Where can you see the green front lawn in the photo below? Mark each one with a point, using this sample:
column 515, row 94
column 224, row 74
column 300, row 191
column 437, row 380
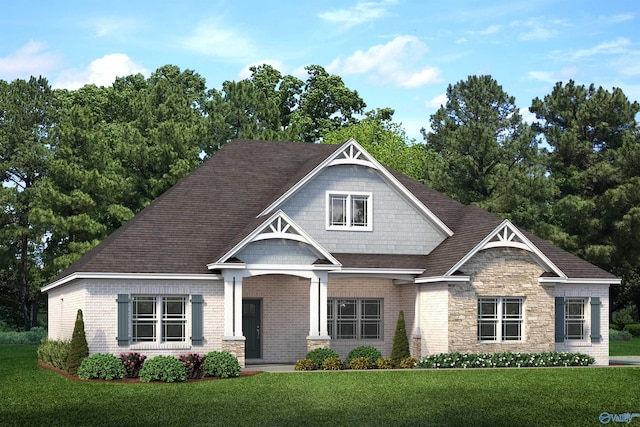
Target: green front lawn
column 30, row 395
column 625, row 348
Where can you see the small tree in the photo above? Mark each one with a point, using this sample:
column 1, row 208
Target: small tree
column 400, row 349
column 79, row 347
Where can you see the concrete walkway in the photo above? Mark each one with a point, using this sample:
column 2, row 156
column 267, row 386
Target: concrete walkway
column 624, row 360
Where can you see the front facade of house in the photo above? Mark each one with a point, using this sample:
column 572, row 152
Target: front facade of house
column 270, row 249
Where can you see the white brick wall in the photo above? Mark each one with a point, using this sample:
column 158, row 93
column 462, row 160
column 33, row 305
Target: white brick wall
column 600, row 351
column 97, row 299
column 434, row 318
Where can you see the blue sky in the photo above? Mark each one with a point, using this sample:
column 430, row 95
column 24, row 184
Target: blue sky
column 396, row 53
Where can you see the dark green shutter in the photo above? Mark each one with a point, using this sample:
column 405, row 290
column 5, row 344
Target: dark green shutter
column 595, row 319
column 123, row 319
column 197, row 337
column 559, row 319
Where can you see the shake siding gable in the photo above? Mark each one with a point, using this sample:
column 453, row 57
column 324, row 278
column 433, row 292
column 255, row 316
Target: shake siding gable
column 397, row 227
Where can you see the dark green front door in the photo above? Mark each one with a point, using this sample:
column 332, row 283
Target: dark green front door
column 251, row 328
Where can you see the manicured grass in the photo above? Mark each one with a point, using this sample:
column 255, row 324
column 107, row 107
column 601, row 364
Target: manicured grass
column 30, row 395
column 625, row 348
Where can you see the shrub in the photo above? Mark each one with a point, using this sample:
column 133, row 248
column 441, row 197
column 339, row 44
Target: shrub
column 221, row 364
column 54, row 352
column 132, row 363
column 615, row 335
column 500, row 360
column 624, row 316
column 400, row 348
column 385, row 363
column 33, row 336
column 319, row 355
column 332, row 364
column 408, row 362
column 79, row 347
column 361, row 363
column 194, row 365
column 305, row 365
column 101, row 366
column 163, row 368
column 633, row 329
column 371, row 353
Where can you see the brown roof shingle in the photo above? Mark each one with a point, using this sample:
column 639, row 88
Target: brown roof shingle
column 207, row 213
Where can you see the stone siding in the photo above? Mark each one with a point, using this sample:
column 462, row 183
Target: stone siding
column 502, row 272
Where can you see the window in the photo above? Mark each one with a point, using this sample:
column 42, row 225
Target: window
column 159, row 319
column 350, row 211
column 574, row 319
column 358, row 319
column 500, row 319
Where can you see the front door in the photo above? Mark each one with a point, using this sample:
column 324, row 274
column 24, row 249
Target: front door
column 251, row 328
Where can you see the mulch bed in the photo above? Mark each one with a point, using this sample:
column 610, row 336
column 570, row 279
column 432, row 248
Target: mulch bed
column 132, row 380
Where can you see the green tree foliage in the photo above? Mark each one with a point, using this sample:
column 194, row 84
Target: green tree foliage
column 79, row 348
column 485, row 153
column 594, row 149
column 400, row 348
column 27, row 115
column 386, row 141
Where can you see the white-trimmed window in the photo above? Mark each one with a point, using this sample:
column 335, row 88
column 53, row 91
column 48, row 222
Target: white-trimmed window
column 500, row 319
column 574, row 318
column 355, row 319
column 159, row 318
column 350, row 211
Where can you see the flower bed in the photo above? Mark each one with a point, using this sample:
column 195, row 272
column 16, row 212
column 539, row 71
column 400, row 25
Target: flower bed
column 504, row 360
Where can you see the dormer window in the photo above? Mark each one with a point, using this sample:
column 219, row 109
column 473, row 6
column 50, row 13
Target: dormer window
column 349, row 211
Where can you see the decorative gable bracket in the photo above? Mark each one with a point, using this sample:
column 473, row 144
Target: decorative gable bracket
column 506, row 235
column 278, row 226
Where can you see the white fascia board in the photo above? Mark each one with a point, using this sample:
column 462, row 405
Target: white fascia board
column 574, row 281
column 540, row 257
column 368, row 161
column 407, row 275
column 129, row 276
column 255, row 235
column 440, row 279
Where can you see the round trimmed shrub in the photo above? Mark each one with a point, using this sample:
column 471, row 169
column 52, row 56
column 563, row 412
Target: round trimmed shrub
column 221, row 364
column 305, row 365
column 332, row 364
column 615, row 335
column 408, row 362
column 385, row 363
column 319, row 355
column 367, row 351
column 101, row 366
column 163, row 368
column 361, row 363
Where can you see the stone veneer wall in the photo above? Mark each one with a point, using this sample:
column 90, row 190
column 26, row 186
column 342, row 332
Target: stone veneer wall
column 501, row 272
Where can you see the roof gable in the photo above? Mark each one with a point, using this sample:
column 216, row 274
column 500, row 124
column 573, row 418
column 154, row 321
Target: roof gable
column 277, row 226
column 352, row 153
column 507, row 235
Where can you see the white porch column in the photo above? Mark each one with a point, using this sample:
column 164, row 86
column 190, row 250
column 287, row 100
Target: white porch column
column 318, row 306
column 323, row 307
column 228, row 305
column 314, row 303
column 238, row 307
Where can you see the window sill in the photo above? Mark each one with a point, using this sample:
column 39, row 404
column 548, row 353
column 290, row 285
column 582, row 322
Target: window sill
column 161, row 346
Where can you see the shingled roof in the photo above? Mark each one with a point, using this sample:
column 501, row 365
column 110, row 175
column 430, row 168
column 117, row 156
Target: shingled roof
column 204, row 215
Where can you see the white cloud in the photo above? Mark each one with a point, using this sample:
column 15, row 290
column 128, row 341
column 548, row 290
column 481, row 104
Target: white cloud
column 437, row 102
column 614, row 47
column 616, row 19
column 554, row 76
column 245, row 73
column 527, row 116
column 214, row 39
column 31, row 59
column 492, row 29
column 538, row 28
column 393, row 62
column 358, row 14
column 115, row 26
column 101, row 72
